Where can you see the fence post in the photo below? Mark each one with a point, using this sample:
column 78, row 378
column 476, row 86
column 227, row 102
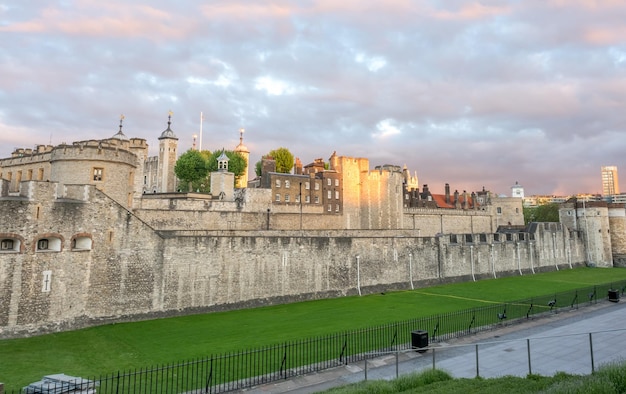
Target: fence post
column 477, row 373
column 397, row 359
column 1, row 388
column 433, row 358
column 591, row 351
column 530, row 370
column 365, row 368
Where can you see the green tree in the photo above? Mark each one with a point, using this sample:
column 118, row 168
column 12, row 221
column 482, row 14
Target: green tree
column 236, row 162
column 542, row 213
column 191, row 167
column 284, row 160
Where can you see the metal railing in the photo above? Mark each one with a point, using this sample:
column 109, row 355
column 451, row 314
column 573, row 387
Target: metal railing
column 518, row 357
column 248, row 368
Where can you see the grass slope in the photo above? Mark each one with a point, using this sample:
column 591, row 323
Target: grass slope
column 109, row 348
column 609, row 378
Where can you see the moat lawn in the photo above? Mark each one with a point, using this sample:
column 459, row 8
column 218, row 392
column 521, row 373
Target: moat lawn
column 106, row 349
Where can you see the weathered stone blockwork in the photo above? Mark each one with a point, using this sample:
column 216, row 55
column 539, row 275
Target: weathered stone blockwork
column 133, row 271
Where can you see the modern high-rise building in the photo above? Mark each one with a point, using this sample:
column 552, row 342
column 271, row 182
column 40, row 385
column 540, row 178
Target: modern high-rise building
column 610, row 183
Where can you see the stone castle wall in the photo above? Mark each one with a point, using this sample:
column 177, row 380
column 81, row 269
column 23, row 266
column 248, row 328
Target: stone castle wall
column 132, row 271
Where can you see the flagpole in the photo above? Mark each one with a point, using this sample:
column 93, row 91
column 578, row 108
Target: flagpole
column 200, row 140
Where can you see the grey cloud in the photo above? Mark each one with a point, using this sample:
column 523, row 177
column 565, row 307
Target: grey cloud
column 482, row 94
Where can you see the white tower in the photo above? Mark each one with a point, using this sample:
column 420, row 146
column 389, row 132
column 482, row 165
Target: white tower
column 242, row 181
column 168, row 145
column 517, row 190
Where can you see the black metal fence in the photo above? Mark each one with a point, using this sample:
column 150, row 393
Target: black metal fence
column 239, row 370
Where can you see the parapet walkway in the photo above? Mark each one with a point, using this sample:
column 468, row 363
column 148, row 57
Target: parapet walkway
column 556, row 342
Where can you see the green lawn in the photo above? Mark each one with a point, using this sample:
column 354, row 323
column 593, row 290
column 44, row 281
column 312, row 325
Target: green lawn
column 609, row 378
column 106, row 349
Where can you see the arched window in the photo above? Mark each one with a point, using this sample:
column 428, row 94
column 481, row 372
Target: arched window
column 49, row 244
column 9, row 245
column 81, row 243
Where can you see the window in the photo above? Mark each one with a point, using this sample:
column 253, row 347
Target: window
column 278, row 197
column 287, row 184
column 329, row 182
column 317, row 199
column 286, row 197
column 29, row 175
column 297, row 198
column 97, row 174
column 336, row 182
column 317, row 186
column 307, row 185
column 499, row 210
column 336, row 194
column 337, row 208
column 330, row 207
column 42, row 244
column 307, row 199
column 81, row 243
column 330, row 194
column 6, row 244
column 277, row 182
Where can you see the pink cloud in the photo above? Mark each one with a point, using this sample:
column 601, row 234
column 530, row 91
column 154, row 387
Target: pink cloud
column 106, row 20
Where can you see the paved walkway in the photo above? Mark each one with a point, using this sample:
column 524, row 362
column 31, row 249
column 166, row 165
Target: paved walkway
column 557, row 342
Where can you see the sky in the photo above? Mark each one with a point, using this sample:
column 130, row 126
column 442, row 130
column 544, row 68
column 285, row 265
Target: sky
column 471, row 93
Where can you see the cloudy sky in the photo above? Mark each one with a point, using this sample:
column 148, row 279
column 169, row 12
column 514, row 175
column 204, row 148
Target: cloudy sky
column 470, row 93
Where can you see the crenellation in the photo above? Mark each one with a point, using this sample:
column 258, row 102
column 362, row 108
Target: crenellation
column 95, row 232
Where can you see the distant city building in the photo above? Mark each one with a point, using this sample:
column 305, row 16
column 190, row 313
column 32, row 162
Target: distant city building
column 517, row 190
column 535, row 201
column 610, row 183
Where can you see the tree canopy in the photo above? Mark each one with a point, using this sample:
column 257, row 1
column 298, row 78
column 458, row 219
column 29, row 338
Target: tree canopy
column 284, row 161
column 542, row 213
column 190, row 168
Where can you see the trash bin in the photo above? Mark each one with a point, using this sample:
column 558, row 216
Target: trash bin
column 419, row 340
column 614, row 295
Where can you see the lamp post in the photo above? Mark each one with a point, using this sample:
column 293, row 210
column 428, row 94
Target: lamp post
column 411, row 270
column 358, row 273
column 589, row 262
column 300, row 198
